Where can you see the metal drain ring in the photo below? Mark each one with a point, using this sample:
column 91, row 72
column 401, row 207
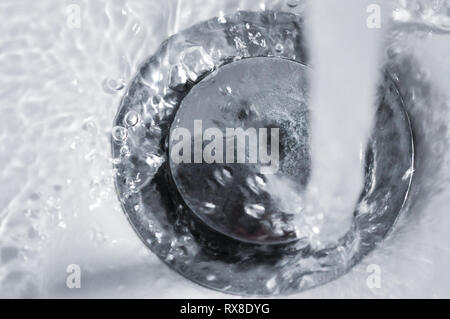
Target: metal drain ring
column 157, row 212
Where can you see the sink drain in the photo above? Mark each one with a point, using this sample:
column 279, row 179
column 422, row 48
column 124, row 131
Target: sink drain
column 239, row 199
column 223, row 225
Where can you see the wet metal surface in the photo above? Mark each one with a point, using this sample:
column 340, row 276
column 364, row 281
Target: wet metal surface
column 162, row 202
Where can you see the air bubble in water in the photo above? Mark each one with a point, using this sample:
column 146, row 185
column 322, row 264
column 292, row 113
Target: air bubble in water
column 90, row 127
column 279, row 48
column 112, row 86
column 132, row 118
column 119, row 134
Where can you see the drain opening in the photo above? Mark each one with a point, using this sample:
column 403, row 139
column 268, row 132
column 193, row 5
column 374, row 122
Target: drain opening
column 223, row 226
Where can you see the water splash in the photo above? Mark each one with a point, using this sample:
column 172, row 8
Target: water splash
column 434, row 15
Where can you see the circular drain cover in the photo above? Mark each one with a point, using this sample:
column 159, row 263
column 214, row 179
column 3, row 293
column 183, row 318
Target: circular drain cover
column 239, row 194
column 226, row 225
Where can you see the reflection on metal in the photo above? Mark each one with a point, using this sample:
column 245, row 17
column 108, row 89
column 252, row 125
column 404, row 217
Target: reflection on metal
column 218, row 225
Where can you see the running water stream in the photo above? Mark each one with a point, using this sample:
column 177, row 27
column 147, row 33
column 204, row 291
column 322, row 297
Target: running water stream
column 345, row 61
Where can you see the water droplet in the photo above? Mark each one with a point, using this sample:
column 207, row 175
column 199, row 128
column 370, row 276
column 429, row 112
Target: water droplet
column 119, row 134
column 132, row 118
column 211, row 277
